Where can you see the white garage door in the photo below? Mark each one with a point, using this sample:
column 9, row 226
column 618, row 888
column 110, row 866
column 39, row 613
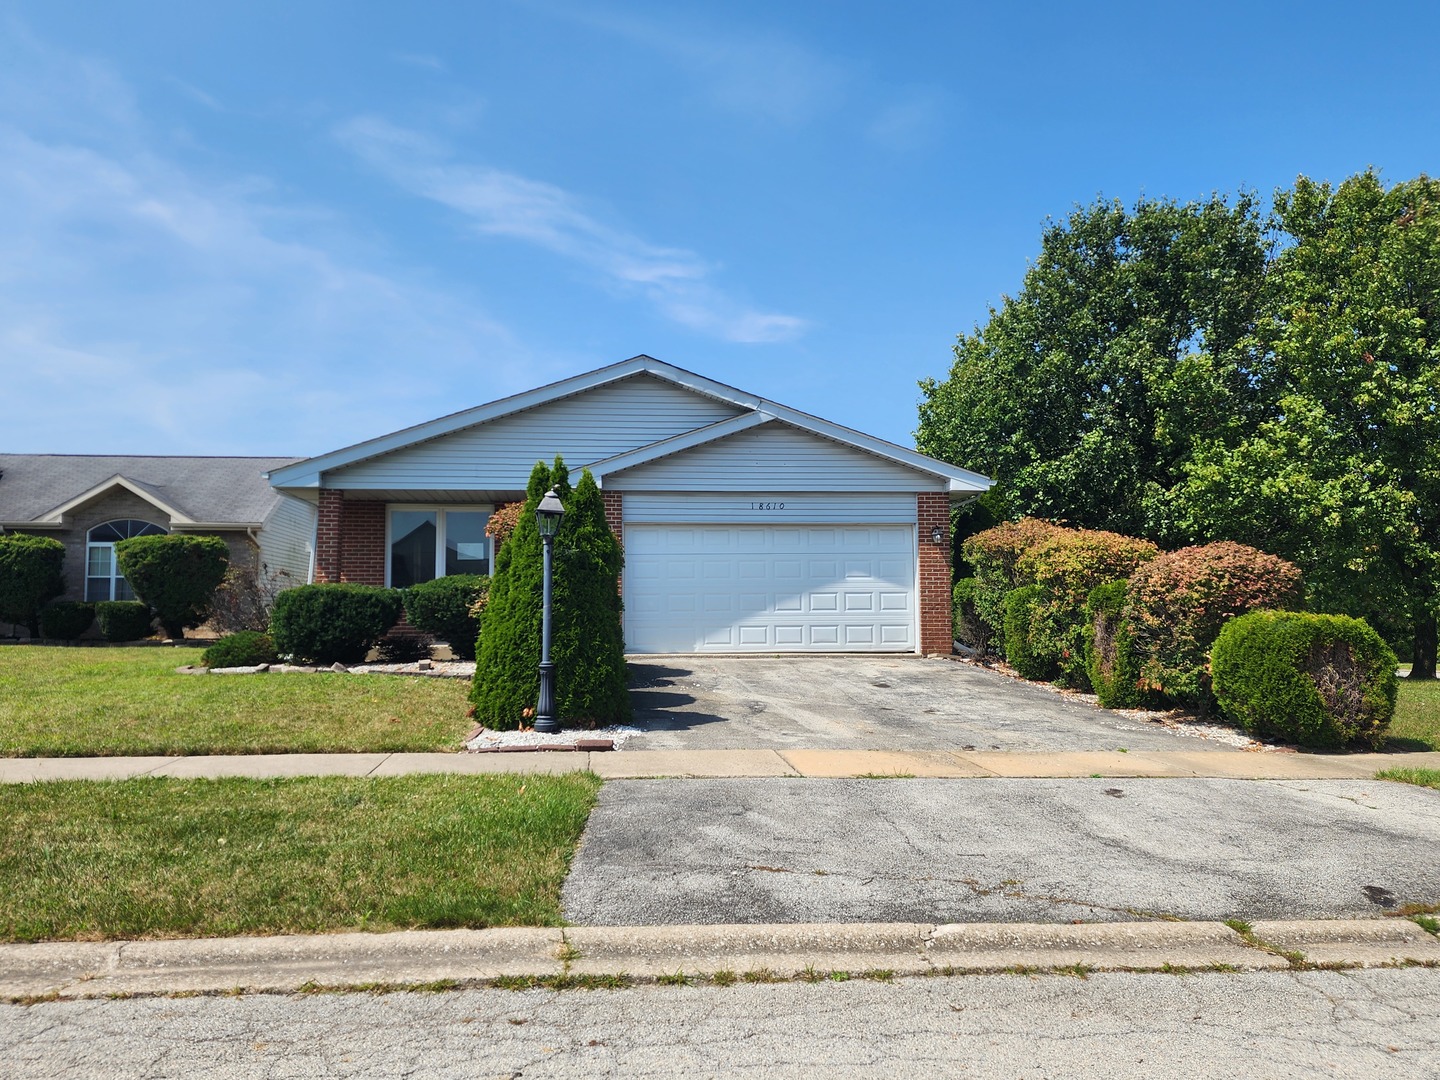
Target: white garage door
column 769, row 588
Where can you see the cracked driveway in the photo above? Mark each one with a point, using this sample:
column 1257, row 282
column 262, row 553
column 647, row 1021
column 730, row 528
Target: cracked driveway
column 867, row 702
column 1002, row 850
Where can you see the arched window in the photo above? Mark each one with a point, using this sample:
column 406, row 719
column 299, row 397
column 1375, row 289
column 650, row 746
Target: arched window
column 103, row 580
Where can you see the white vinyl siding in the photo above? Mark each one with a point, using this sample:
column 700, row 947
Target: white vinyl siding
column 774, row 457
column 768, row 588
column 771, row 507
column 498, row 456
column 286, row 539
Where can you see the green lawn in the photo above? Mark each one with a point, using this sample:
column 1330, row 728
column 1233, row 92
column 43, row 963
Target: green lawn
column 1417, row 717
column 163, row 857
column 67, row 702
column 1419, row 777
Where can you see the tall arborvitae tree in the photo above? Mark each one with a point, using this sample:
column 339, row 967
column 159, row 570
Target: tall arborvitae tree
column 589, row 643
column 586, row 640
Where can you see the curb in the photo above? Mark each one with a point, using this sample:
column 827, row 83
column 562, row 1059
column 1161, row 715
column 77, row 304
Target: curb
column 617, row 955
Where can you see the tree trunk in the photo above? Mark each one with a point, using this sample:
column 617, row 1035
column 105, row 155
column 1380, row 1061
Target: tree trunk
column 1423, row 662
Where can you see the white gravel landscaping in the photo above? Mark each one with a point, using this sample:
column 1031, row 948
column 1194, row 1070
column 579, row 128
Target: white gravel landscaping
column 487, row 740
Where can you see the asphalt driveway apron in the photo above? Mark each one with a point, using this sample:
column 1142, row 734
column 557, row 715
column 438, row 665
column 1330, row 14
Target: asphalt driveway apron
column 1002, row 850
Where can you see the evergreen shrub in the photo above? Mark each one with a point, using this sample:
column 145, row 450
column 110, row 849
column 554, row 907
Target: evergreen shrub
column 176, row 574
column 1109, row 652
column 30, row 577
column 123, row 620
column 995, row 555
column 1177, row 603
column 970, row 628
column 1025, row 651
column 587, row 647
column 1322, row 681
column 442, row 608
column 66, row 620
column 332, row 623
column 245, row 648
column 1067, row 566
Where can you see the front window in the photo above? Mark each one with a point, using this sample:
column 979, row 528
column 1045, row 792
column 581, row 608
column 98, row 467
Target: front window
column 430, row 542
column 103, row 580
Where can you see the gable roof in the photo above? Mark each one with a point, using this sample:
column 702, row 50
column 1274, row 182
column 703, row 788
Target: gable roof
column 39, row 490
column 308, row 473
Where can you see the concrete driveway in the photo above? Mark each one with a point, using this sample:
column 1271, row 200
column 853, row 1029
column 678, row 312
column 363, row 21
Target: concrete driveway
column 1002, row 850
column 867, row 702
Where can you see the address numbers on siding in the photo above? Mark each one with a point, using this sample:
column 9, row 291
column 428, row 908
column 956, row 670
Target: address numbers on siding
column 767, row 506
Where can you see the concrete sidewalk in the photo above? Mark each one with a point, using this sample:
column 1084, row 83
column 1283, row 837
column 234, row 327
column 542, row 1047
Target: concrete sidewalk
column 455, row 958
column 644, row 764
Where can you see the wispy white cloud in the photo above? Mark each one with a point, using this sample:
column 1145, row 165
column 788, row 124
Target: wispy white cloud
column 747, row 71
column 500, row 203
column 428, row 61
column 145, row 305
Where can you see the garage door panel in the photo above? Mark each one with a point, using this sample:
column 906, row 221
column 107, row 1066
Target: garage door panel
column 759, row 587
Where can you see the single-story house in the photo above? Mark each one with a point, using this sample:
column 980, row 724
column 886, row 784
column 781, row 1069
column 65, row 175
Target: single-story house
column 747, row 526
column 89, row 502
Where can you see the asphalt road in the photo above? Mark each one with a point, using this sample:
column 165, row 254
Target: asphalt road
column 1353, row 1025
column 1001, row 850
column 867, row 702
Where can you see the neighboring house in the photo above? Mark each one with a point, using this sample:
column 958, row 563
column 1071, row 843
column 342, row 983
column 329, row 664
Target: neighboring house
column 89, row 502
column 747, row 526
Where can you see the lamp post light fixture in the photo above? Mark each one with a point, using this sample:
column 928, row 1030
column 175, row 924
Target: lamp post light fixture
column 547, row 517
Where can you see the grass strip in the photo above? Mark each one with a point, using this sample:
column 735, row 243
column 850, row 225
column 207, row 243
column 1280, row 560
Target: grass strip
column 74, row 702
column 1417, row 717
column 163, row 857
column 1420, row 777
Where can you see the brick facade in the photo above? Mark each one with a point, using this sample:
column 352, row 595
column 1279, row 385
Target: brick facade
column 933, row 508
column 613, row 515
column 350, row 540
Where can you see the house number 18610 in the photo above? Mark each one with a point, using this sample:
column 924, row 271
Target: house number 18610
column 767, row 506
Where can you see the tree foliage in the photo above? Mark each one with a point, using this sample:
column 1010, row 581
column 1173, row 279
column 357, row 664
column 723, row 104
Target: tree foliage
column 1200, row 371
column 587, row 643
column 30, row 577
column 1081, row 395
column 175, row 574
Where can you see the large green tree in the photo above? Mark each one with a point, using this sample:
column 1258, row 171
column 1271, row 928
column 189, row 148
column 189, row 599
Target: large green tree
column 1193, row 372
column 1342, row 471
column 1082, row 395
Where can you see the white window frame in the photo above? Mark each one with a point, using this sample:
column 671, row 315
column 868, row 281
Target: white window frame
column 440, row 510
column 115, row 575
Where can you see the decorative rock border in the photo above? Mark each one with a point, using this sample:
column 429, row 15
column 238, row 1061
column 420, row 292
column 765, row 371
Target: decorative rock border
column 433, row 669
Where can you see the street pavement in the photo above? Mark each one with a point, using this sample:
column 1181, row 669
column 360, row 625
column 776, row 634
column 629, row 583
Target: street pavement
column 1353, row 1025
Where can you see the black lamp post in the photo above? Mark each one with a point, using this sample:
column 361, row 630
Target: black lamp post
column 547, row 517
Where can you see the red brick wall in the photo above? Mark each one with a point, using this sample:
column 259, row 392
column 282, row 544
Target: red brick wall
column 613, row 516
column 362, row 554
column 350, row 540
column 327, row 536
column 933, row 508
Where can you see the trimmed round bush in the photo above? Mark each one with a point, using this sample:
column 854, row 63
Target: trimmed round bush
column 995, row 554
column 245, row 648
column 1020, row 639
column 66, row 620
column 30, row 577
column 328, row 624
column 1323, row 681
column 442, row 608
column 123, row 620
column 175, row 574
column 1067, row 567
column 1109, row 652
column 970, row 628
column 1177, row 602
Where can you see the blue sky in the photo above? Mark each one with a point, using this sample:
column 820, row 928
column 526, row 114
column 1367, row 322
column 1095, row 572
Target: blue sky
column 283, row 227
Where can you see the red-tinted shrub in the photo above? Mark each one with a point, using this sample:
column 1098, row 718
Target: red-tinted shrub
column 995, row 554
column 1177, row 603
